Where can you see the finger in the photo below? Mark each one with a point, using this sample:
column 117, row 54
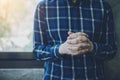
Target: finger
column 75, row 48
column 78, row 47
column 75, row 35
column 91, row 47
column 78, row 34
column 82, row 45
column 72, row 36
column 74, row 41
column 69, row 33
column 78, row 40
column 82, row 34
column 82, row 39
column 85, row 45
column 83, row 51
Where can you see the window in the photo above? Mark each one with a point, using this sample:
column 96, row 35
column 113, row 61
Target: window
column 16, row 25
column 16, row 33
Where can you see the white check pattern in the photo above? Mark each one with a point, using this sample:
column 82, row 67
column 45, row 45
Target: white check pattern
column 54, row 18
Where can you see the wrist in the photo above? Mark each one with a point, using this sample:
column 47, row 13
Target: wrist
column 61, row 51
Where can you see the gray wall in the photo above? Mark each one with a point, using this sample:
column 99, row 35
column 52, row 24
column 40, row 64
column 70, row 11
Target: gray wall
column 112, row 68
column 21, row 74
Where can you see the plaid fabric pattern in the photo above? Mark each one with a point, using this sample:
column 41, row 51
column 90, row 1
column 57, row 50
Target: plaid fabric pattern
column 54, row 18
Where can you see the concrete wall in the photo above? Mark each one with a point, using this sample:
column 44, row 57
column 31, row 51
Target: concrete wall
column 112, row 68
column 21, row 74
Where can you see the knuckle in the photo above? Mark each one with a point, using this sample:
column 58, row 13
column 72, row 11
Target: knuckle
column 78, row 39
column 83, row 51
column 77, row 49
column 79, row 33
column 89, row 45
column 77, row 52
column 80, row 45
column 80, row 52
column 84, row 38
column 74, row 41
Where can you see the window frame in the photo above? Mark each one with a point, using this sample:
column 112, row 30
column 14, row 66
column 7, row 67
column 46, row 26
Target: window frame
column 19, row 60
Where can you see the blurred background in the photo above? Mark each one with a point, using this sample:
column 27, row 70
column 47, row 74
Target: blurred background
column 16, row 24
column 16, row 35
column 112, row 68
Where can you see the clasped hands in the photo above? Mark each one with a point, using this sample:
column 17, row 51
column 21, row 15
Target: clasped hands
column 76, row 43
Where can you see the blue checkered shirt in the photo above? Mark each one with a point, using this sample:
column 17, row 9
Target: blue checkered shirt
column 54, row 18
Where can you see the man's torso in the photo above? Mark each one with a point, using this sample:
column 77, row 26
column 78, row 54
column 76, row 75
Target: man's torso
column 62, row 16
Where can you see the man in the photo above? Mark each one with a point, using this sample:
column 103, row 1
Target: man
column 74, row 38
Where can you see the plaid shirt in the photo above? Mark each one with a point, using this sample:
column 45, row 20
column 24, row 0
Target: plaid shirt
column 54, row 18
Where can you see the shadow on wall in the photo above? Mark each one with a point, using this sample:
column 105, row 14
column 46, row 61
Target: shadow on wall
column 112, row 68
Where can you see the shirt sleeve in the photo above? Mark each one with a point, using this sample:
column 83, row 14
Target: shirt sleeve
column 42, row 50
column 107, row 50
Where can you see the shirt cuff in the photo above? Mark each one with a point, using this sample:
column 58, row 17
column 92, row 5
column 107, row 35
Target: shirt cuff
column 55, row 52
